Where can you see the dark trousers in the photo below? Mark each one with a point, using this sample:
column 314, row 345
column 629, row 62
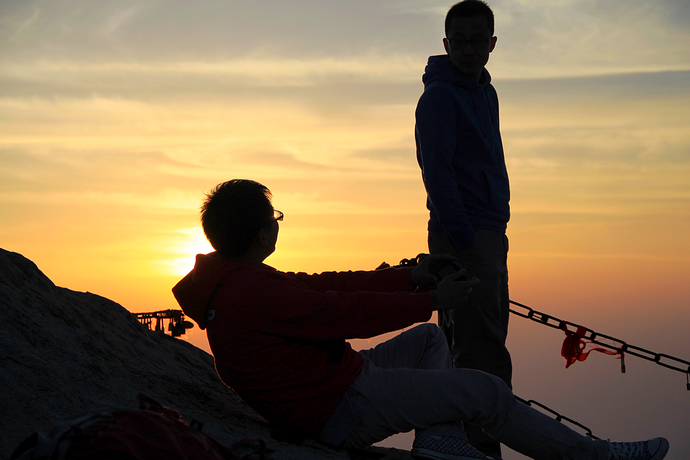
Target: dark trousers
column 476, row 331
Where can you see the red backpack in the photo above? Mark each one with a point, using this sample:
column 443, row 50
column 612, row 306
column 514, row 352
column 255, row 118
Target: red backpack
column 152, row 432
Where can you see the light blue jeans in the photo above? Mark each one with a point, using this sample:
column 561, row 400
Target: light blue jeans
column 409, row 384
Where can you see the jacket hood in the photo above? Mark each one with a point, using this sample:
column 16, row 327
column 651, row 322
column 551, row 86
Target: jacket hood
column 195, row 291
column 440, row 68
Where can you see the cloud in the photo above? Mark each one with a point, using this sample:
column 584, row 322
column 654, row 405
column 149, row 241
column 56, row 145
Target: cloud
column 163, row 200
column 587, row 37
column 48, row 167
column 388, row 155
column 302, row 41
column 15, row 25
column 119, row 19
column 283, row 160
column 670, row 14
column 277, row 71
column 216, row 29
column 625, row 122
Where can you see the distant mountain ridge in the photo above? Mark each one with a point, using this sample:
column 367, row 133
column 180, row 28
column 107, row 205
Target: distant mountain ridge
column 63, row 352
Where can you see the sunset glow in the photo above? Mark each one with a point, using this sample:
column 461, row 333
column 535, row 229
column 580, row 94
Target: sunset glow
column 116, row 118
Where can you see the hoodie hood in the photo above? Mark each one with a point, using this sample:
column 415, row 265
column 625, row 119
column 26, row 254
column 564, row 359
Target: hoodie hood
column 440, row 68
column 195, row 291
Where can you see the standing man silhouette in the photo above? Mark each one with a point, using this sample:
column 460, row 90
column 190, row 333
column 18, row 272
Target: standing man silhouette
column 460, row 152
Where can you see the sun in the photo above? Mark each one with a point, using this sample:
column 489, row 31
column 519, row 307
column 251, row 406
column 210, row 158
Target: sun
column 183, row 247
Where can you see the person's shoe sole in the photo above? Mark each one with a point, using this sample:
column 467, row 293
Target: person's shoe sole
column 426, row 454
column 661, row 451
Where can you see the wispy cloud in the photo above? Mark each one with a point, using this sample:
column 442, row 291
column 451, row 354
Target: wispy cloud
column 589, row 37
column 260, row 71
column 301, row 41
column 120, row 18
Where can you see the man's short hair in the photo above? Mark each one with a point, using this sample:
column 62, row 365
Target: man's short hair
column 233, row 213
column 468, row 8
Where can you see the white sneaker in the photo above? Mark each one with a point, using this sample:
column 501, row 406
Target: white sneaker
column 444, row 448
column 654, row 449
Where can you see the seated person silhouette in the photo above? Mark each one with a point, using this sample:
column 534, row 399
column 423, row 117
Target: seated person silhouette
column 279, row 340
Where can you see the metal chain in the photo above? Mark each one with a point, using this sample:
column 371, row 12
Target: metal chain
column 559, row 417
column 661, row 359
column 618, row 345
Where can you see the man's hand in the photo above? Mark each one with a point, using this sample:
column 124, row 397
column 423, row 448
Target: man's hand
column 424, row 274
column 452, row 291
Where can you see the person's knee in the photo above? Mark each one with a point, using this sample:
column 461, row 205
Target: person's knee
column 427, row 331
column 488, row 387
column 429, row 328
column 438, row 335
column 436, row 348
column 432, row 332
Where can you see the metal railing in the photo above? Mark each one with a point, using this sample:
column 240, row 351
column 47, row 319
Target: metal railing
column 617, row 345
column 177, row 325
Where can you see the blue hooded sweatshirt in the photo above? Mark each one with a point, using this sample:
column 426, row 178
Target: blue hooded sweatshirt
column 460, row 152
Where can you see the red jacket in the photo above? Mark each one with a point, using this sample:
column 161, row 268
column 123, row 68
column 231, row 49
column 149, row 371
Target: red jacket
column 279, row 338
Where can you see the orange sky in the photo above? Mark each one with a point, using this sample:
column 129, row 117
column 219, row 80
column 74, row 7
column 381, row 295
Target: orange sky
column 114, row 121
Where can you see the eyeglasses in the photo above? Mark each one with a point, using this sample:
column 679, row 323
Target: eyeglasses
column 277, row 215
column 460, row 42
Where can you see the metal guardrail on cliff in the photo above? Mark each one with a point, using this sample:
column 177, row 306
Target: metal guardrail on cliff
column 612, row 345
column 576, row 339
column 177, row 326
column 574, row 347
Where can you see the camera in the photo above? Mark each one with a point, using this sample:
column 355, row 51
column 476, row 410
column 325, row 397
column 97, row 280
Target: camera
column 449, row 269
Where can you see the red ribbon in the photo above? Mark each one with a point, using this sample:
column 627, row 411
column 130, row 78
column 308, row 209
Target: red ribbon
column 574, row 346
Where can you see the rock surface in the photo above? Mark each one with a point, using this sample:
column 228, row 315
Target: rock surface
column 63, row 352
